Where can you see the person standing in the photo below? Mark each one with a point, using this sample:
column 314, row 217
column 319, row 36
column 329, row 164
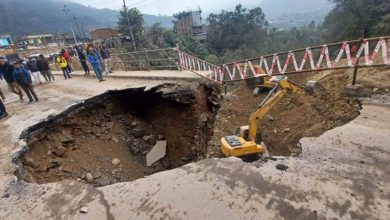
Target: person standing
column 3, row 111
column 45, row 68
column 83, row 61
column 64, row 66
column 94, row 59
column 68, row 58
column 23, row 78
column 1, row 93
column 33, row 67
column 105, row 54
column 6, row 72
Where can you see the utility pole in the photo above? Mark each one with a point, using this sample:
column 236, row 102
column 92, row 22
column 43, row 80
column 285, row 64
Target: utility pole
column 66, row 10
column 78, row 27
column 129, row 25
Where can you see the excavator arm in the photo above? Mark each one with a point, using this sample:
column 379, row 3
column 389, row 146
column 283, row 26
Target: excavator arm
column 245, row 143
column 278, row 92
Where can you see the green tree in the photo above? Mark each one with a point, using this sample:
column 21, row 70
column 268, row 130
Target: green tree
column 237, row 30
column 156, row 35
column 135, row 23
column 350, row 18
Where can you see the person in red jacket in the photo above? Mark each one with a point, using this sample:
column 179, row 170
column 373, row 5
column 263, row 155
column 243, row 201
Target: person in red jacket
column 68, row 58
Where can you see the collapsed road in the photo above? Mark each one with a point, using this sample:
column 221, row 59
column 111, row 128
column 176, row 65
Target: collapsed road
column 280, row 188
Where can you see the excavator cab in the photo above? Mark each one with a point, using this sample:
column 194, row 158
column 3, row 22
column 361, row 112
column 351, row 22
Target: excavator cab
column 247, row 140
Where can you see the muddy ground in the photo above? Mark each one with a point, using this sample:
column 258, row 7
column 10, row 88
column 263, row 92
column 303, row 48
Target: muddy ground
column 105, row 139
column 293, row 118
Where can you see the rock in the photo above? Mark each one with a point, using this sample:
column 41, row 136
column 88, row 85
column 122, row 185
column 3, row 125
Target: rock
column 286, row 130
column 68, row 141
column 6, row 195
column 138, row 132
column 229, row 96
column 59, row 151
column 147, row 138
column 281, row 167
column 315, row 88
column 84, row 209
column 356, row 90
column 42, row 168
column 89, row 177
column 115, row 139
column 134, row 124
column 375, row 90
column 386, row 90
column 269, row 117
column 115, row 161
column 30, row 162
column 203, row 117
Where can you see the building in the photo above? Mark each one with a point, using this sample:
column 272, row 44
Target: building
column 37, row 40
column 6, row 41
column 102, row 34
column 190, row 24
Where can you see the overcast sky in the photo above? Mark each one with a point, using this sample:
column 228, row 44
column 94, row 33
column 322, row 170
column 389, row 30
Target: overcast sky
column 169, row 7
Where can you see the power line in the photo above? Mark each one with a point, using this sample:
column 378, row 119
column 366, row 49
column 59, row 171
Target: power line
column 128, row 23
column 66, row 10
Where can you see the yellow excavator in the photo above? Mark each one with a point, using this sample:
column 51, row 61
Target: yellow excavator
column 247, row 141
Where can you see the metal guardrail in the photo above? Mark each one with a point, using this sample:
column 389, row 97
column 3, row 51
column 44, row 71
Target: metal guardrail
column 342, row 55
column 317, row 58
column 147, row 59
column 200, row 67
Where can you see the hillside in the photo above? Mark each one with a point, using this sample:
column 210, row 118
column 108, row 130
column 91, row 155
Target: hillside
column 21, row 17
column 285, row 14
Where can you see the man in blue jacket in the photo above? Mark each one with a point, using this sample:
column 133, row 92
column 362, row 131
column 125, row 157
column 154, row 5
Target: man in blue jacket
column 94, row 59
column 7, row 73
column 23, row 78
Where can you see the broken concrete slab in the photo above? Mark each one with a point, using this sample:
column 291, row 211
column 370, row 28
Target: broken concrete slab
column 157, row 153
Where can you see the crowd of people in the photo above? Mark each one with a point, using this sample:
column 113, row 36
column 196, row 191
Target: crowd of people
column 20, row 75
column 98, row 56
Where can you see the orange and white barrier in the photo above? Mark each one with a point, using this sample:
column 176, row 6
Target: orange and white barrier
column 272, row 65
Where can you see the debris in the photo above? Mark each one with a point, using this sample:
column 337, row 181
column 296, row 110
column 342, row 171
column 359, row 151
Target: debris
column 115, row 139
column 84, row 209
column 134, row 124
column 68, row 141
column 115, row 161
column 59, row 151
column 281, row 167
column 315, row 88
column 157, row 153
column 356, row 90
column 269, row 117
column 29, row 162
column 101, row 144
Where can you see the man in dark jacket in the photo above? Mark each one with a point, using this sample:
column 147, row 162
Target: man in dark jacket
column 83, row 61
column 33, row 67
column 7, row 73
column 3, row 111
column 23, row 78
column 105, row 54
column 44, row 68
